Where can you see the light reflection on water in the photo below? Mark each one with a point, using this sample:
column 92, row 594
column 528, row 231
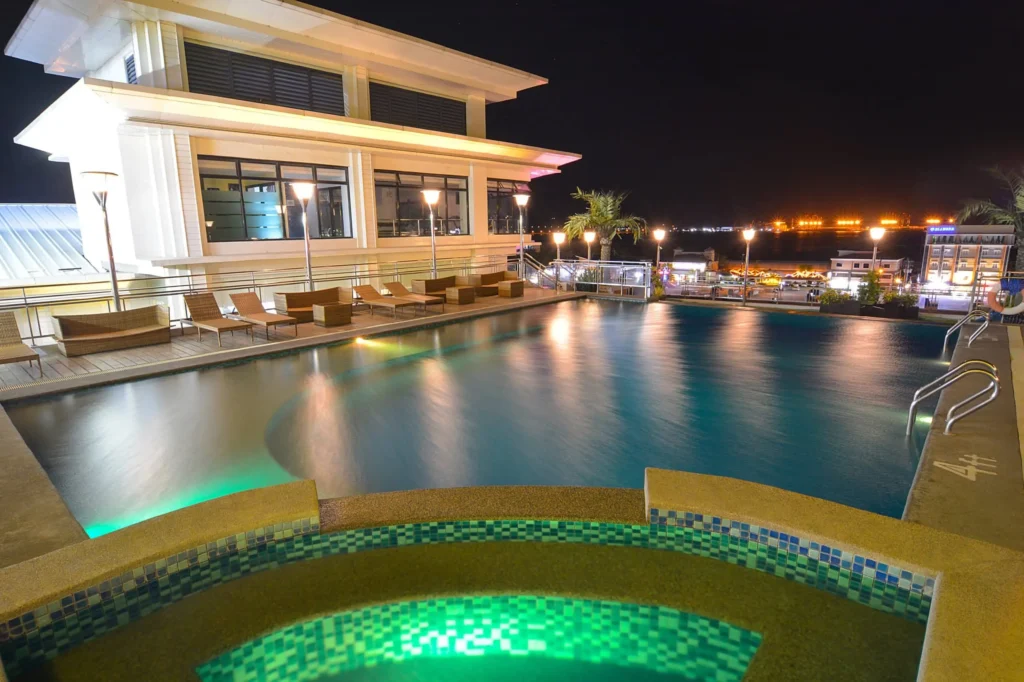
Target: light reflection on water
column 581, row 393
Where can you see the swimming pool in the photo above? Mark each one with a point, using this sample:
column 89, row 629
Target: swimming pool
column 575, row 393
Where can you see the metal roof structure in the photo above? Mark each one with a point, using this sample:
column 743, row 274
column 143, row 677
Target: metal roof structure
column 42, row 242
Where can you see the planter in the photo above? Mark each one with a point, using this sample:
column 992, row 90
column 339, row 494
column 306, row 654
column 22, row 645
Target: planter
column 874, row 311
column 844, row 308
column 909, row 312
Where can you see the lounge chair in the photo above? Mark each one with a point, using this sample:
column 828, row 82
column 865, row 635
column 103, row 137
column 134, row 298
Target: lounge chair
column 398, row 289
column 373, row 298
column 11, row 347
column 250, row 308
column 206, row 315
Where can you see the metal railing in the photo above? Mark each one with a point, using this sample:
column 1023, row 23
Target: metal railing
column 40, row 301
column 976, row 314
column 948, row 379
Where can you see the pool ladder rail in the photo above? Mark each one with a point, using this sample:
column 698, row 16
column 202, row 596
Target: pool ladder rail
column 977, row 314
column 948, row 379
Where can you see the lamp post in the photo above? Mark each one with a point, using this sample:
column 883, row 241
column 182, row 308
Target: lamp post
column 876, row 235
column 432, row 196
column 559, row 237
column 748, row 235
column 659, row 234
column 304, row 192
column 98, row 183
column 521, row 201
column 588, row 237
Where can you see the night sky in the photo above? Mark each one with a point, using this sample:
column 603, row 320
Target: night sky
column 707, row 112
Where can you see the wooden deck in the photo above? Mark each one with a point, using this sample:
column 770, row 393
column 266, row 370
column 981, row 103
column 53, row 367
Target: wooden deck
column 185, row 341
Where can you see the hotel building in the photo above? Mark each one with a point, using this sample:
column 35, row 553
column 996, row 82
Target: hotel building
column 956, row 255
column 209, row 110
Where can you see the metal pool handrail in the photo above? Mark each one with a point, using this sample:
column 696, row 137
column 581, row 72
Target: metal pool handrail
column 974, row 314
column 993, row 385
column 978, row 332
column 948, row 379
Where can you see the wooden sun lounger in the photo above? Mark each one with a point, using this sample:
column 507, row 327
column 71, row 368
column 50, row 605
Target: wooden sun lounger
column 373, row 298
column 250, row 308
column 398, row 289
column 11, row 347
column 206, row 315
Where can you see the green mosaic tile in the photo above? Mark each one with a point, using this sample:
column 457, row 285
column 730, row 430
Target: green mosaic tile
column 656, row 638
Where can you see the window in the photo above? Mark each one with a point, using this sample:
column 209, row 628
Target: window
column 212, row 71
column 839, row 265
column 856, row 265
column 247, row 200
column 402, row 212
column 399, row 106
column 129, row 70
column 502, row 212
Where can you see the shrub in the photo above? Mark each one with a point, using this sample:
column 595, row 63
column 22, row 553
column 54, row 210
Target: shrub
column 870, row 289
column 908, row 300
column 833, row 296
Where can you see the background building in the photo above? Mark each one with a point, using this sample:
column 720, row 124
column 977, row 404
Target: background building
column 956, row 255
column 849, row 268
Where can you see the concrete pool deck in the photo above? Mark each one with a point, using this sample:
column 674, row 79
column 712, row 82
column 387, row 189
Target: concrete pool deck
column 971, row 482
column 186, row 352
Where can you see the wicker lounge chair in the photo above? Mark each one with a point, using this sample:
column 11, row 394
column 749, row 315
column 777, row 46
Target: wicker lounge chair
column 11, row 347
column 206, row 315
column 250, row 308
column 299, row 304
column 373, row 298
column 98, row 332
column 398, row 289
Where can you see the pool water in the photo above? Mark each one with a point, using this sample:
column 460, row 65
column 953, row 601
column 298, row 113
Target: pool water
column 575, row 393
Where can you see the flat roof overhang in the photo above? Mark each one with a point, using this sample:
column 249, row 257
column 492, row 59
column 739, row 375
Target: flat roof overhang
column 71, row 124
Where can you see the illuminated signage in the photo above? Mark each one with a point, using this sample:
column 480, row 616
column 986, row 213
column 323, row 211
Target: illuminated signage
column 942, row 229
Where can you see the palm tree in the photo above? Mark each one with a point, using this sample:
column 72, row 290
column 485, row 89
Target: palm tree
column 603, row 216
column 1010, row 214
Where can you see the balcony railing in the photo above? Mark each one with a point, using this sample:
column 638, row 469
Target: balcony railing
column 35, row 305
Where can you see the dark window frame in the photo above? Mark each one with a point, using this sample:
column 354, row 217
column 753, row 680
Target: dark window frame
column 441, row 221
column 498, row 224
column 282, row 195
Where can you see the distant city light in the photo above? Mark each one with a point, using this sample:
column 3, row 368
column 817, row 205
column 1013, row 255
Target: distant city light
column 848, row 221
column 933, row 221
column 890, row 221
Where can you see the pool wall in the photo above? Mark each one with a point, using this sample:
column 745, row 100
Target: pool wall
column 656, row 638
column 53, row 603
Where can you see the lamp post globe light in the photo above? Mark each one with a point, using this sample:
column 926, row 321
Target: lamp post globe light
column 521, row 201
column 589, row 237
column 304, row 192
column 432, row 196
column 659, row 234
column 748, row 236
column 100, row 183
column 876, row 236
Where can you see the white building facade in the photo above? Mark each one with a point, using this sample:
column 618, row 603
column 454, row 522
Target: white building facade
column 209, row 110
column 847, row 271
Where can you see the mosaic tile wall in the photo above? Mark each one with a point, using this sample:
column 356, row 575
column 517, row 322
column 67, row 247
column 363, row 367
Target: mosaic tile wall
column 656, row 638
column 85, row 615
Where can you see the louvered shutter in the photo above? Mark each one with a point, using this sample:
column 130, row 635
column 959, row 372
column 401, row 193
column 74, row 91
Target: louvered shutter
column 212, row 71
column 389, row 104
column 129, row 70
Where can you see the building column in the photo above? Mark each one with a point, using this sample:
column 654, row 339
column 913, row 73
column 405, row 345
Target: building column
column 159, row 54
column 476, row 116
column 478, row 203
column 364, row 209
column 356, row 82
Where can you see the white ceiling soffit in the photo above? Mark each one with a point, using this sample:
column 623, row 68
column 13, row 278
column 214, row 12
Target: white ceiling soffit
column 76, row 121
column 75, row 37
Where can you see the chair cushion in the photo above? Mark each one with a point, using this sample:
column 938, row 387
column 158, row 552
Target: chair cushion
column 137, row 331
